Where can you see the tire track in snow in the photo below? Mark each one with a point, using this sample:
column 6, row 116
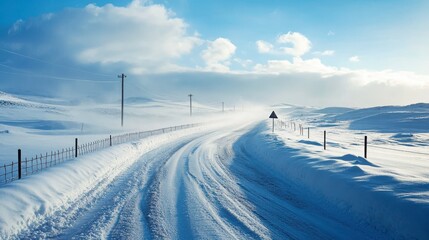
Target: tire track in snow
column 190, row 203
column 150, row 203
column 221, row 190
column 124, row 225
column 126, row 219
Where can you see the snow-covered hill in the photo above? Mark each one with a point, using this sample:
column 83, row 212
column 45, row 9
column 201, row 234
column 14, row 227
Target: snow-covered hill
column 412, row 118
column 10, row 101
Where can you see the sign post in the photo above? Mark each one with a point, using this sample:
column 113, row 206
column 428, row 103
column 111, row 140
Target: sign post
column 273, row 116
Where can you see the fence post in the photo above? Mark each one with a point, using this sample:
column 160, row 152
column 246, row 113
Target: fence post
column 366, row 146
column 75, row 147
column 324, row 140
column 19, row 164
column 110, row 140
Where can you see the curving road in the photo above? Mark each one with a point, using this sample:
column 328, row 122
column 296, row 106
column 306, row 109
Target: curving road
column 203, row 186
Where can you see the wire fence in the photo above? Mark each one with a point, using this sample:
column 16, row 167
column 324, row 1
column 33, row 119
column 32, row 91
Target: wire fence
column 317, row 133
column 31, row 165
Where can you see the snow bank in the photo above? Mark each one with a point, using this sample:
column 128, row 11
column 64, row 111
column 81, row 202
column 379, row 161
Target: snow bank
column 33, row 198
column 391, row 205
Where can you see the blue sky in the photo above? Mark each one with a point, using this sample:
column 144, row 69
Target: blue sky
column 381, row 43
column 371, row 29
column 384, row 34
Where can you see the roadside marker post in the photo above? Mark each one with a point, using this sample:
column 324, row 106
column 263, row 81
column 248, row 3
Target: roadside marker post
column 366, row 147
column 75, row 147
column 324, row 140
column 19, row 164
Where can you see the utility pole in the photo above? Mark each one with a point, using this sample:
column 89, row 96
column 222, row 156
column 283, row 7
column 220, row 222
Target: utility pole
column 223, row 105
column 190, row 104
column 122, row 76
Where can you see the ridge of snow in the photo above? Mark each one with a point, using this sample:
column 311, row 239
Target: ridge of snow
column 351, row 182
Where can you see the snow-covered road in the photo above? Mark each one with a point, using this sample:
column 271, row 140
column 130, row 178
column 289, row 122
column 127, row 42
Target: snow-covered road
column 195, row 184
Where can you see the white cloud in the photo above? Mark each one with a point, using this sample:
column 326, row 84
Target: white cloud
column 16, row 27
column 361, row 77
column 389, row 77
column 264, row 47
column 300, row 43
column 298, row 65
column 218, row 53
column 139, row 36
column 245, row 63
column 354, row 59
column 324, row 53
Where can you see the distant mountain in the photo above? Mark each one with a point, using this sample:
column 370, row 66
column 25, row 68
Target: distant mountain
column 394, row 119
column 334, row 110
column 367, row 112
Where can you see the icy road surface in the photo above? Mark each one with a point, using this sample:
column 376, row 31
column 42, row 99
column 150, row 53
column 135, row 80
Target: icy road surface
column 199, row 183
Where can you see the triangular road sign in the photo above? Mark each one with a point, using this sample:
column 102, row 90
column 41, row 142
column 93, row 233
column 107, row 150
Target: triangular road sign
column 273, row 115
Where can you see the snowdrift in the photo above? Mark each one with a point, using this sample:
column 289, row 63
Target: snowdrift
column 23, row 203
column 391, row 205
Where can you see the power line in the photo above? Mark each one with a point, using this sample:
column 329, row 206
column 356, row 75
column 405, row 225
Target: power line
column 31, row 74
column 51, row 63
column 147, row 92
column 59, row 78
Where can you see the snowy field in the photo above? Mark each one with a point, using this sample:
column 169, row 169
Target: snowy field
column 38, row 125
column 231, row 178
